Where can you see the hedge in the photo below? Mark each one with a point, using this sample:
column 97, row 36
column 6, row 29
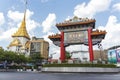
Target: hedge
column 81, row 65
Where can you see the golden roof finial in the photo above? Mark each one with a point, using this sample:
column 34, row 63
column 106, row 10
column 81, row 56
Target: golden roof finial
column 22, row 32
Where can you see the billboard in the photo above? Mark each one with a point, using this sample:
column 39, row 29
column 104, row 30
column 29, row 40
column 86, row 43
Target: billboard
column 76, row 37
column 112, row 56
column 118, row 55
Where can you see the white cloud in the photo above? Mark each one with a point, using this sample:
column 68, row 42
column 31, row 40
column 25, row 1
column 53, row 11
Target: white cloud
column 15, row 21
column 31, row 24
column 7, row 34
column 90, row 9
column 29, row 14
column 46, row 37
column 113, row 30
column 116, row 7
column 2, row 19
column 48, row 22
column 17, row 17
column 55, row 49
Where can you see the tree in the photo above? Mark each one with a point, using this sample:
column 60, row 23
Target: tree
column 21, row 59
column 1, row 54
column 10, row 57
column 68, row 56
column 36, row 58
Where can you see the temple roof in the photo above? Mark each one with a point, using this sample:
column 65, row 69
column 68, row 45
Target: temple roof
column 76, row 21
column 54, row 36
column 15, row 42
column 22, row 32
column 27, row 44
column 98, row 32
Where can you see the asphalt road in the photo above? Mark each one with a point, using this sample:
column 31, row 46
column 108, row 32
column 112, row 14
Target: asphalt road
column 57, row 76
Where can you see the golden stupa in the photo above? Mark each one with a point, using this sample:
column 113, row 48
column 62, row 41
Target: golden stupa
column 22, row 32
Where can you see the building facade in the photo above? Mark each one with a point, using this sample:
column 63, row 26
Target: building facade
column 39, row 46
column 100, row 55
column 21, row 39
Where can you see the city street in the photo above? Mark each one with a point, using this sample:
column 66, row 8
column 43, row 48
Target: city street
column 58, row 76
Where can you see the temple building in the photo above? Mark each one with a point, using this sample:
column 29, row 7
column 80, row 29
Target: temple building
column 21, row 39
column 39, row 46
column 22, row 43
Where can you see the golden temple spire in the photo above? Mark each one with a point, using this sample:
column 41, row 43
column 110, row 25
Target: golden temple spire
column 22, row 32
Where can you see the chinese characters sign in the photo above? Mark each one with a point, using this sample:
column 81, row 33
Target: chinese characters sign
column 75, row 37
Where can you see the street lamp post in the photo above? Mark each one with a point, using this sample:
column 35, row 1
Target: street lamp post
column 111, row 57
column 5, row 65
column 100, row 47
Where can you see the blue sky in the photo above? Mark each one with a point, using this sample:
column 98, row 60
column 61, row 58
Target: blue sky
column 42, row 15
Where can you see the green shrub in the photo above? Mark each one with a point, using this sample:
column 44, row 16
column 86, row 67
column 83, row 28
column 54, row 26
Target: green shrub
column 81, row 65
column 15, row 67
